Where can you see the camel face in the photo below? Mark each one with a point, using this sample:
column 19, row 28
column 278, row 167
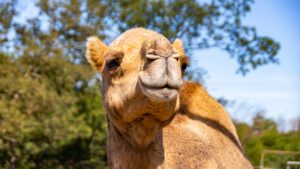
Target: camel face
column 142, row 75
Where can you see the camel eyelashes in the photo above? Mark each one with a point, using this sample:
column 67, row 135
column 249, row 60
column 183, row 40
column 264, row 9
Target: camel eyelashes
column 183, row 67
column 184, row 63
column 113, row 63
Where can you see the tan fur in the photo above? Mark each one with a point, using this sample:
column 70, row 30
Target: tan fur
column 96, row 49
column 190, row 131
column 202, row 134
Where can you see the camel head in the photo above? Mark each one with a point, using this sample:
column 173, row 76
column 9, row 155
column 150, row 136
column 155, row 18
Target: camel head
column 142, row 74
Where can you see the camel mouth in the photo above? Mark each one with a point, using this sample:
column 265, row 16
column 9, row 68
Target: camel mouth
column 166, row 86
column 159, row 93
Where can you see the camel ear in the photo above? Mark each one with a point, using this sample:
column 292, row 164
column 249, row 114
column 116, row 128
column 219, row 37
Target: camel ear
column 95, row 52
column 178, row 46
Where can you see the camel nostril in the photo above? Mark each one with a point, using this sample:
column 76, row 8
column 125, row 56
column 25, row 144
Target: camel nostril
column 175, row 56
column 152, row 56
column 149, row 60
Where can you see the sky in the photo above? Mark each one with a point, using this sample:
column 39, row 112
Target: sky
column 272, row 88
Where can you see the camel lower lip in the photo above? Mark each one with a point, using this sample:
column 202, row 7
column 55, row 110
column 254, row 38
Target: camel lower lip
column 161, row 89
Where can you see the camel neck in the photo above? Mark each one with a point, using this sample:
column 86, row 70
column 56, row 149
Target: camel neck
column 122, row 154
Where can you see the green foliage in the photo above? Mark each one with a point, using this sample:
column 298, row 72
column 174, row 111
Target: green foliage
column 201, row 25
column 50, row 114
column 63, row 26
column 7, row 12
column 264, row 135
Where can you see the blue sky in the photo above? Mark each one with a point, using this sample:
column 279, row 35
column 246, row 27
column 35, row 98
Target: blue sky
column 274, row 88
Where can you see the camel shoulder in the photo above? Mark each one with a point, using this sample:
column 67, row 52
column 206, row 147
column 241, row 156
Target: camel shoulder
column 197, row 104
column 202, row 133
column 201, row 116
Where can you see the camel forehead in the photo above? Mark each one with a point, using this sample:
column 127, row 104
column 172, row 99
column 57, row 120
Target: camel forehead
column 131, row 41
column 134, row 36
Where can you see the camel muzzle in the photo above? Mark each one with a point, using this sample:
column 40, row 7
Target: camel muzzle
column 160, row 78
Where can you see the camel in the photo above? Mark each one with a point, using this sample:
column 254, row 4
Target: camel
column 155, row 119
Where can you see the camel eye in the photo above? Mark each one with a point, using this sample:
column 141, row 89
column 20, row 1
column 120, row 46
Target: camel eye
column 113, row 64
column 183, row 67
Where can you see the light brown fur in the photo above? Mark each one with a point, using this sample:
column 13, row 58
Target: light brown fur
column 190, row 131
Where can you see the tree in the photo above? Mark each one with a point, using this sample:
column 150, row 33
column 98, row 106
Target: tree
column 50, row 116
column 201, row 25
column 7, row 13
column 261, row 135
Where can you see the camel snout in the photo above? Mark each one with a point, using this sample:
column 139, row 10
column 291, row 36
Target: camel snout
column 161, row 73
